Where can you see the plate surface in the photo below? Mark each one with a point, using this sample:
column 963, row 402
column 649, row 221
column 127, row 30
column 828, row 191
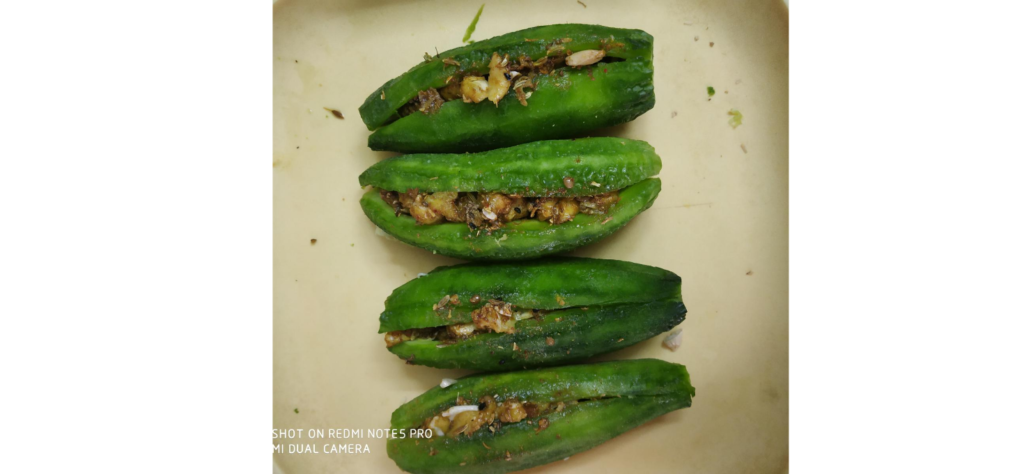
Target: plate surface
column 720, row 223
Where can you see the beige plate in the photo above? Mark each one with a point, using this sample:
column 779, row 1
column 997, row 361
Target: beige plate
column 720, row 223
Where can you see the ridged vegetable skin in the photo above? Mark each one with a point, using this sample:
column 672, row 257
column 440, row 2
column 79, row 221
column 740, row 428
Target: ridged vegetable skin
column 549, row 284
column 621, row 395
column 521, row 239
column 596, row 165
column 566, row 103
column 561, row 107
column 562, row 337
column 591, row 307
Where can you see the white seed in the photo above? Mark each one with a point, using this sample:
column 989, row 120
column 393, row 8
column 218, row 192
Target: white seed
column 455, row 410
column 462, row 329
column 673, row 340
column 523, row 315
column 445, row 383
column 584, row 58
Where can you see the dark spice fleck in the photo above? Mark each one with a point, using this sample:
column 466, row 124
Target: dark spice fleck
column 336, row 113
column 312, row 241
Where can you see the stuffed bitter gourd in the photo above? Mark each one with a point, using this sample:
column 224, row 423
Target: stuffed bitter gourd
column 519, row 202
column 540, row 83
column 511, row 421
column 513, row 316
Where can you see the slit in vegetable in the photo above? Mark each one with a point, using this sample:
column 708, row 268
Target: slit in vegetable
column 490, row 210
column 504, row 75
column 466, row 417
column 493, row 316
